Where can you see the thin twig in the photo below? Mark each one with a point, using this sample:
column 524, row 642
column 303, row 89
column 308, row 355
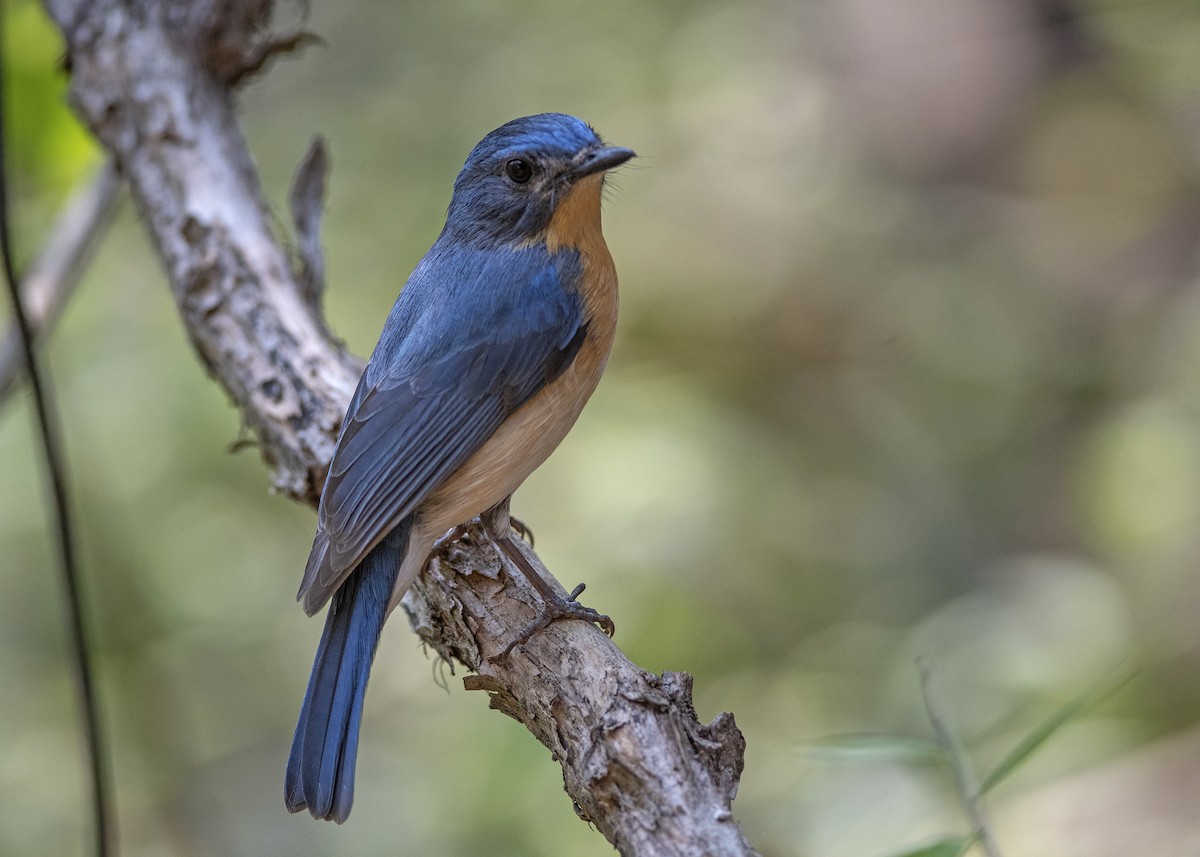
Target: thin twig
column 964, row 777
column 307, row 203
column 48, row 425
column 51, row 278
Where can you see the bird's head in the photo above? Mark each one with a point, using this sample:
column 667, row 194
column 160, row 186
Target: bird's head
column 519, row 176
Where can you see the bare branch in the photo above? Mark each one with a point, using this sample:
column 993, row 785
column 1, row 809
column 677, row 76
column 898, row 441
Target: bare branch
column 54, row 273
column 635, row 760
column 307, row 202
column 138, row 82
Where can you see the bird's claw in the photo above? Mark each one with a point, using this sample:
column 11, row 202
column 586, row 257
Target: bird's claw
column 557, row 609
column 578, row 611
column 522, row 530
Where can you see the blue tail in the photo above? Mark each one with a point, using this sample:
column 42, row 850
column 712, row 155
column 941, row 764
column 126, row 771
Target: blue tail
column 320, row 771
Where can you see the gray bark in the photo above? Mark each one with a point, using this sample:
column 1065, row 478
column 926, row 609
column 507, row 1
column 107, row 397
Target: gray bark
column 153, row 79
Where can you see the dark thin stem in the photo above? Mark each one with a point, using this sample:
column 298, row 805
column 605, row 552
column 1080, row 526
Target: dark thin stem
column 50, row 279
column 48, row 429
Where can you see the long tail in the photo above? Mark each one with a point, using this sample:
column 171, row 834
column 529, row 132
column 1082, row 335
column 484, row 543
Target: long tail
column 320, row 771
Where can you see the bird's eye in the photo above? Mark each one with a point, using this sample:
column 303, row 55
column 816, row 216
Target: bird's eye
column 518, row 170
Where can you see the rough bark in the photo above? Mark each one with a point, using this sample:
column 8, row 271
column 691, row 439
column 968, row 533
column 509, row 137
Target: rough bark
column 152, row 79
column 635, row 759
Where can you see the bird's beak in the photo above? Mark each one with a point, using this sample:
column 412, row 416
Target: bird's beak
column 599, row 160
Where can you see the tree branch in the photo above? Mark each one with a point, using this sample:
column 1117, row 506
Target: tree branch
column 54, row 273
column 140, row 81
column 635, row 760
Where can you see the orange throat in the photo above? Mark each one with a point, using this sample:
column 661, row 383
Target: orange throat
column 576, row 221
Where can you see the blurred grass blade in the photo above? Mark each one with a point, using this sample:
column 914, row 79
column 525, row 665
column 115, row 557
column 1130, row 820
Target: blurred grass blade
column 951, row 846
column 1035, row 739
column 871, row 746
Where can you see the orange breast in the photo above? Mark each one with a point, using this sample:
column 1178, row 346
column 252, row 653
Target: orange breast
column 534, row 430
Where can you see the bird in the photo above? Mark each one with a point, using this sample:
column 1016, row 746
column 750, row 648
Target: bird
column 494, row 345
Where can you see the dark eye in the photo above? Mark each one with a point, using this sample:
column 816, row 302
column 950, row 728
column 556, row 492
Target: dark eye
column 518, row 170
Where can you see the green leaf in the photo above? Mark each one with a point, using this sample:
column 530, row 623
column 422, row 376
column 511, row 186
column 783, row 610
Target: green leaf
column 868, row 746
column 951, row 846
column 1035, row 739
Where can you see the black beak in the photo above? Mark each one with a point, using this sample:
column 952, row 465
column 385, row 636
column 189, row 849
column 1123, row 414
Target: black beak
column 599, row 160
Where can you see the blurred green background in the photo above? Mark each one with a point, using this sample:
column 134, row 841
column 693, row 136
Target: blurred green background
column 908, row 365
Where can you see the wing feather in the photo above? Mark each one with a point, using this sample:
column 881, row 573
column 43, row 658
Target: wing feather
column 473, row 335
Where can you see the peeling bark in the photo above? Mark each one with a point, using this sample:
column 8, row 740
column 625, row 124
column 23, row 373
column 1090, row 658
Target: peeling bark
column 635, row 759
column 148, row 79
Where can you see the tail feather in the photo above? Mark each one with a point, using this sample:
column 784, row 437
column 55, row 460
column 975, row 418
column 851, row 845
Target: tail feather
column 320, row 771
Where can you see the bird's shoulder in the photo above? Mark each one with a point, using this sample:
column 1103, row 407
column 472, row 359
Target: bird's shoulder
column 461, row 300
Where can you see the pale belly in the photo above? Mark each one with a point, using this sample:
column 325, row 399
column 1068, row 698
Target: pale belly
column 519, row 446
column 525, row 440
column 532, row 432
column 497, row 469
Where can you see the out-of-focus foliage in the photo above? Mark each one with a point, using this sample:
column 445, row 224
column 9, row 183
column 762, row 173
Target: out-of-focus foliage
column 908, row 365
column 48, row 150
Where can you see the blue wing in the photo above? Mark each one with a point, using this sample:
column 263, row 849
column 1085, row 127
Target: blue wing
column 473, row 335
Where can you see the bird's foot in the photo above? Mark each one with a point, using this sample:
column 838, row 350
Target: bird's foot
column 521, row 529
column 498, row 522
column 555, row 608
